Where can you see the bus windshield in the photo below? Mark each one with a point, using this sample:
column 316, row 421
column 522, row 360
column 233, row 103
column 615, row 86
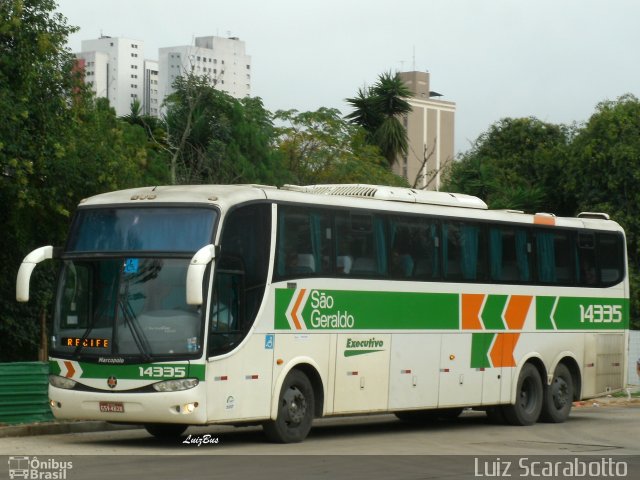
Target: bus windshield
column 170, row 229
column 126, row 307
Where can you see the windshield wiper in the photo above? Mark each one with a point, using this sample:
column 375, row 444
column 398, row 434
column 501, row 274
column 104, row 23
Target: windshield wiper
column 85, row 335
column 131, row 320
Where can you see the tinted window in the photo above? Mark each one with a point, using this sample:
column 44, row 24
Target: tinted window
column 304, row 242
column 142, row 229
column 610, row 258
column 463, row 246
column 554, row 253
column 241, row 276
column 509, row 254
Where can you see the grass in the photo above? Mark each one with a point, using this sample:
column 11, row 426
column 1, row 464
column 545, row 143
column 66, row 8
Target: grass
column 623, row 393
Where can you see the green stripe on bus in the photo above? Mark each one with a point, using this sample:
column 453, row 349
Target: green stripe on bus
column 353, row 353
column 315, row 309
column 582, row 313
column 492, row 312
column 54, row 368
column 480, row 344
column 142, row 371
column 365, row 310
column 544, row 307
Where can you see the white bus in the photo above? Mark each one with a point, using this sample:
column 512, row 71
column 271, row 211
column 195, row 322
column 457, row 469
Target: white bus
column 198, row 305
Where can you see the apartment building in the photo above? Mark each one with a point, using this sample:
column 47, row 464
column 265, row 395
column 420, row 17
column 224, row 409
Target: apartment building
column 430, row 127
column 223, row 61
column 114, row 68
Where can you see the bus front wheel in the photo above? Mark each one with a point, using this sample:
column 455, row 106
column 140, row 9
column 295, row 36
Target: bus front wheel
column 529, row 398
column 558, row 397
column 295, row 410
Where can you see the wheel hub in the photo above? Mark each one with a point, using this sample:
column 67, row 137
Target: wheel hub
column 295, row 405
column 560, row 393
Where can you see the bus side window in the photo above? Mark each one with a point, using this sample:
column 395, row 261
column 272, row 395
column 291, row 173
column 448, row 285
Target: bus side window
column 586, row 254
column 610, row 255
column 241, row 275
column 462, row 247
column 509, row 254
column 302, row 242
column 555, row 256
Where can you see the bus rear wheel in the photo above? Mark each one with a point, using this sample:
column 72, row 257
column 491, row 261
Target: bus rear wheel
column 529, row 398
column 558, row 397
column 165, row 431
column 295, row 410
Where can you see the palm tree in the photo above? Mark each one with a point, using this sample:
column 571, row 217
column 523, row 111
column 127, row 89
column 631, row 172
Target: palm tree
column 379, row 109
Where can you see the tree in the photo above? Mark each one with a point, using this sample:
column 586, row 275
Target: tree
column 606, row 175
column 215, row 138
column 379, row 110
column 321, row 147
column 36, row 84
column 57, row 145
column 519, row 163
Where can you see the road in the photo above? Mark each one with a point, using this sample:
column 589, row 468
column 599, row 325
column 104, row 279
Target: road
column 360, row 447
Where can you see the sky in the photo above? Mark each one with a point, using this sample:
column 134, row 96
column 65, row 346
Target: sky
column 552, row 59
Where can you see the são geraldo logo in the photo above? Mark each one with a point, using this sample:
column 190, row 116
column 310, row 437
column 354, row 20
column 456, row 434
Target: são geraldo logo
column 324, row 312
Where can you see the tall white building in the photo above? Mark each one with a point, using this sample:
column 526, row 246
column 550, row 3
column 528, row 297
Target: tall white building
column 115, row 67
column 151, row 100
column 221, row 60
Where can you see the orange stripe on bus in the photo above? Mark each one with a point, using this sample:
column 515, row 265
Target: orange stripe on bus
column 471, row 305
column 70, row 369
column 517, row 310
column 294, row 312
column 502, row 351
column 544, row 220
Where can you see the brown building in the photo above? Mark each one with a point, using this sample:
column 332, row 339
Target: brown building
column 430, row 127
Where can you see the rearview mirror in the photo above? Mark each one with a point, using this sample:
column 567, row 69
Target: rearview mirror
column 26, row 269
column 195, row 274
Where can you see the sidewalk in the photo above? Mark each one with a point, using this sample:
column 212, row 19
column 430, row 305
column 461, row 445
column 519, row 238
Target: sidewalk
column 57, row 428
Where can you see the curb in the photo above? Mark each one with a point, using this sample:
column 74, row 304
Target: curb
column 56, row 428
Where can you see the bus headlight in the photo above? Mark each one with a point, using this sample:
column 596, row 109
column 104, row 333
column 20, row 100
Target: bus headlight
column 62, row 382
column 175, row 385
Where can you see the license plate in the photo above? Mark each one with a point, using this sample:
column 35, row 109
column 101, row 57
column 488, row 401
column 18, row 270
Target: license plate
column 112, row 407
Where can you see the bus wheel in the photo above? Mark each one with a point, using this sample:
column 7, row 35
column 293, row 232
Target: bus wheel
column 295, row 410
column 558, row 397
column 165, row 431
column 529, row 398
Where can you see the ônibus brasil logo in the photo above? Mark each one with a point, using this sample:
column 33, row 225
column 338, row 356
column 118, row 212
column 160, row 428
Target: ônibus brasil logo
column 324, row 313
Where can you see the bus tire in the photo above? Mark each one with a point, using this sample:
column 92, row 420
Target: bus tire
column 558, row 397
column 165, row 431
column 295, row 410
column 529, row 398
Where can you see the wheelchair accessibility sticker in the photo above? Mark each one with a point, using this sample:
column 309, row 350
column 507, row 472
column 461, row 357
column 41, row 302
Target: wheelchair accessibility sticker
column 268, row 341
